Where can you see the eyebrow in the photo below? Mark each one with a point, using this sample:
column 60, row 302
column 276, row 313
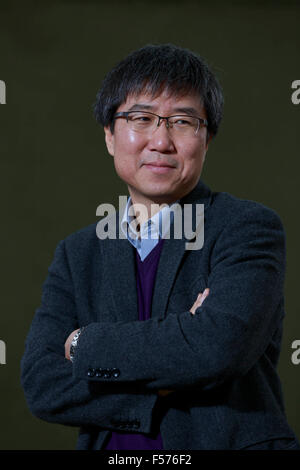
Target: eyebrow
column 184, row 109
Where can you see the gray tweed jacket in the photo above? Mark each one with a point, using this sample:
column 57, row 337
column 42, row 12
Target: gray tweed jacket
column 220, row 362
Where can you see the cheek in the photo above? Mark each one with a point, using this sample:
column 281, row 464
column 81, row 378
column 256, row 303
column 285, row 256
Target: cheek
column 193, row 157
column 128, row 142
column 124, row 164
column 127, row 151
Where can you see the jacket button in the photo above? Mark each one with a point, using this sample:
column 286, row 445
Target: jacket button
column 115, row 373
column 99, row 373
column 106, row 374
column 90, row 373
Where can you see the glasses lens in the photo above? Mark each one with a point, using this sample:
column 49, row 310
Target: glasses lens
column 184, row 124
column 141, row 121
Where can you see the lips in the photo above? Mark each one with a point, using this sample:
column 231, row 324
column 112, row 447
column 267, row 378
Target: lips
column 159, row 164
column 159, row 167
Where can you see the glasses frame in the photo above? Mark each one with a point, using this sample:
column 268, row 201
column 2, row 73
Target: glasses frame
column 125, row 114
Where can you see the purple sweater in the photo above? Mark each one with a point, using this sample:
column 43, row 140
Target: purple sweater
column 146, row 273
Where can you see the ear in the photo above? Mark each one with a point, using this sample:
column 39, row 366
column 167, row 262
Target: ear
column 110, row 141
column 208, row 140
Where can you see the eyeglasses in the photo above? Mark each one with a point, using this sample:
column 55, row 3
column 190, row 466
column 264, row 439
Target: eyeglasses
column 146, row 122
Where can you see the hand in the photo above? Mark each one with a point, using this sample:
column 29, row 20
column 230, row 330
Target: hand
column 68, row 343
column 200, row 299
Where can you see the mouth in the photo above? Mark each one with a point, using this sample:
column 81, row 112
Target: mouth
column 159, row 167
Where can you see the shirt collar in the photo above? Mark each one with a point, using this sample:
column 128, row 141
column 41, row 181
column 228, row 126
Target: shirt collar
column 153, row 228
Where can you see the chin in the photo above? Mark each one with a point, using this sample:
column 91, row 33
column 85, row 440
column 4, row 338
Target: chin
column 163, row 197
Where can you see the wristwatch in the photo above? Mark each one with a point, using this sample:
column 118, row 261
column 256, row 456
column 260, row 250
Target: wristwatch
column 74, row 343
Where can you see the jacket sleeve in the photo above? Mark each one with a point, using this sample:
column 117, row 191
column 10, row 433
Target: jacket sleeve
column 52, row 391
column 229, row 332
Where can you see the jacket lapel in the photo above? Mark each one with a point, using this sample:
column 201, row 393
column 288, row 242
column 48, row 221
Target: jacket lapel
column 119, row 261
column 172, row 254
column 170, row 258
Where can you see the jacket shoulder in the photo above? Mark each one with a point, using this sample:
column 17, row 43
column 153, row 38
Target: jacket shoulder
column 233, row 208
column 79, row 244
column 84, row 234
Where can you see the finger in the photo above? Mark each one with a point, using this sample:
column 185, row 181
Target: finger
column 195, row 306
column 200, row 299
column 205, row 294
column 196, row 303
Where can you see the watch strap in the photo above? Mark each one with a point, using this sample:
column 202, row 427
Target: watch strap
column 74, row 343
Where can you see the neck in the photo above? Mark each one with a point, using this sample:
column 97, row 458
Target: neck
column 145, row 208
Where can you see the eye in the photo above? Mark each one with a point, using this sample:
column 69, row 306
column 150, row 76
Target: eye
column 143, row 118
column 139, row 117
column 183, row 121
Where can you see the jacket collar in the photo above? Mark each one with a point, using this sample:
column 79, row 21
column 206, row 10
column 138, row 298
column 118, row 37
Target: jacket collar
column 201, row 194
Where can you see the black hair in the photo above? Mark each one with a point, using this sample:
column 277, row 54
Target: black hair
column 154, row 68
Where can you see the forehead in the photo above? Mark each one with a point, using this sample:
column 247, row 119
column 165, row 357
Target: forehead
column 165, row 100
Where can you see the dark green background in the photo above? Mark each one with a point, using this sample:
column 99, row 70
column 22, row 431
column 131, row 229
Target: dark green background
column 55, row 170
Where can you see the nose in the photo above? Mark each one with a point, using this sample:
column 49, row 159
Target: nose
column 161, row 139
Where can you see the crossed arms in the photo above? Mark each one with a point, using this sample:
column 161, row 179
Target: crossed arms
column 198, row 302
column 218, row 342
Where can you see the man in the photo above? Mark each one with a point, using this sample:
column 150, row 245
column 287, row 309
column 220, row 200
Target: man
column 140, row 341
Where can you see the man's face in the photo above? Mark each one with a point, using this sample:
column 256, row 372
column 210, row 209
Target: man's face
column 164, row 165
